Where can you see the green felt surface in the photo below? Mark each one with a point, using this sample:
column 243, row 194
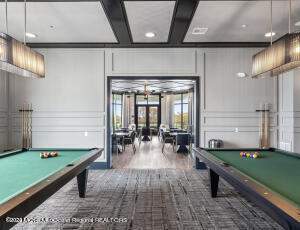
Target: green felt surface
column 277, row 171
column 23, row 170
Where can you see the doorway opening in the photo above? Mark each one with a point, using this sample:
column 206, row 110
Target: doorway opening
column 152, row 122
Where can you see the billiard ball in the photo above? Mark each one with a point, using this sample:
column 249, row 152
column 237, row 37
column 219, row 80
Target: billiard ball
column 255, row 155
column 248, row 155
column 241, row 154
column 251, row 155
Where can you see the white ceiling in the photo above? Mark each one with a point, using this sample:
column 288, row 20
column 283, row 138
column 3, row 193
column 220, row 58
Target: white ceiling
column 224, row 19
column 76, row 22
column 71, row 21
column 149, row 16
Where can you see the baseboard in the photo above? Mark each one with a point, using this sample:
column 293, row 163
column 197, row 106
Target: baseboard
column 99, row 165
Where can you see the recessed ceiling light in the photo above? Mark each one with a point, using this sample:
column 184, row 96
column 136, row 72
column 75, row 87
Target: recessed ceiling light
column 244, row 26
column 31, row 35
column 241, row 74
column 200, row 30
column 269, row 34
column 150, row 34
column 297, row 23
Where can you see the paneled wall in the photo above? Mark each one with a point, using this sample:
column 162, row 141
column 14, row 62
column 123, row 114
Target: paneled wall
column 297, row 110
column 286, row 111
column 289, row 111
column 228, row 103
column 69, row 104
column 3, row 111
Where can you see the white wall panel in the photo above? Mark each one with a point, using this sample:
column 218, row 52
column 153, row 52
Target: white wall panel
column 68, row 104
column 245, row 138
column 151, row 62
column 225, row 92
column 3, row 111
column 228, row 103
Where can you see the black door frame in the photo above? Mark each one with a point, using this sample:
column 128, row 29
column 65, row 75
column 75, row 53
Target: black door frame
column 147, row 111
column 108, row 105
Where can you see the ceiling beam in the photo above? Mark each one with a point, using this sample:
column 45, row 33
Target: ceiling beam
column 183, row 15
column 151, row 45
column 123, row 0
column 116, row 17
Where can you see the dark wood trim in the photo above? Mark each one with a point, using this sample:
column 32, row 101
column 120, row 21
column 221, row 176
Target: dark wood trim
column 108, row 100
column 152, row 45
column 184, row 13
column 279, row 209
column 116, row 15
column 120, row 0
column 147, row 110
column 19, row 206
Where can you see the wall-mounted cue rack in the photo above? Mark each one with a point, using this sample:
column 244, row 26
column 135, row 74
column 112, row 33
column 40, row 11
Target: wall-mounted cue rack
column 263, row 127
column 26, row 125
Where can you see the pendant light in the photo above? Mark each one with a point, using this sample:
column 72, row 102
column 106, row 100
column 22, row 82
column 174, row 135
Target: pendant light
column 281, row 56
column 17, row 58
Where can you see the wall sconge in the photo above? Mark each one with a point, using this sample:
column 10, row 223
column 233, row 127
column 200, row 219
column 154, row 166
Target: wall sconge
column 241, row 75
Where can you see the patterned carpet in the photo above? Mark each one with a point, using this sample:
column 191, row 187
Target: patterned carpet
column 149, row 199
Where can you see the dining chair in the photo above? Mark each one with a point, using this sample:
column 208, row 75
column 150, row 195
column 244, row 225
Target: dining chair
column 183, row 139
column 129, row 140
column 146, row 131
column 167, row 138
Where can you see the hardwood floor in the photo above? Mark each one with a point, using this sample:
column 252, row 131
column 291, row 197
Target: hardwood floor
column 148, row 155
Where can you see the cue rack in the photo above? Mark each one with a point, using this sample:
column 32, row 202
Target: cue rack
column 263, row 126
column 26, row 125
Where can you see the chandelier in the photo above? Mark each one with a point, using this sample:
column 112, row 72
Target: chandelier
column 17, row 58
column 281, row 56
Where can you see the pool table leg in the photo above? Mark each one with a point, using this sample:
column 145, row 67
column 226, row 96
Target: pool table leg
column 214, row 182
column 82, row 182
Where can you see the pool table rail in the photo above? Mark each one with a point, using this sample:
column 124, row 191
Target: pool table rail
column 22, row 204
column 286, row 214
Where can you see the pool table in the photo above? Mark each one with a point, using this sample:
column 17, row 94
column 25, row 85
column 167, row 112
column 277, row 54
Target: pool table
column 28, row 180
column 272, row 180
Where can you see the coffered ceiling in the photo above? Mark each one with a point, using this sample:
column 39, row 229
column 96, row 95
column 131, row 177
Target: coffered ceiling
column 157, row 86
column 56, row 22
column 124, row 23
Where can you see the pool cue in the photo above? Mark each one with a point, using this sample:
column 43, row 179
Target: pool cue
column 266, row 127
column 30, row 125
column 26, row 125
column 260, row 126
column 23, row 125
column 261, row 129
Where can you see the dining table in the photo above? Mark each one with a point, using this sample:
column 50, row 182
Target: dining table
column 120, row 136
column 181, row 148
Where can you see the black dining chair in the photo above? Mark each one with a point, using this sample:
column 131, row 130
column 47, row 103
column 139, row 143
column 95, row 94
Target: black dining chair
column 167, row 138
column 129, row 140
column 183, row 139
column 145, row 133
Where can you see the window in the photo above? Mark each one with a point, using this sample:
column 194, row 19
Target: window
column 147, row 109
column 181, row 111
column 117, row 110
column 150, row 99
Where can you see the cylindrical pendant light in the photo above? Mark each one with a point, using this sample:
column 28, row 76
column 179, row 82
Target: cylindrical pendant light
column 17, row 58
column 281, row 56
